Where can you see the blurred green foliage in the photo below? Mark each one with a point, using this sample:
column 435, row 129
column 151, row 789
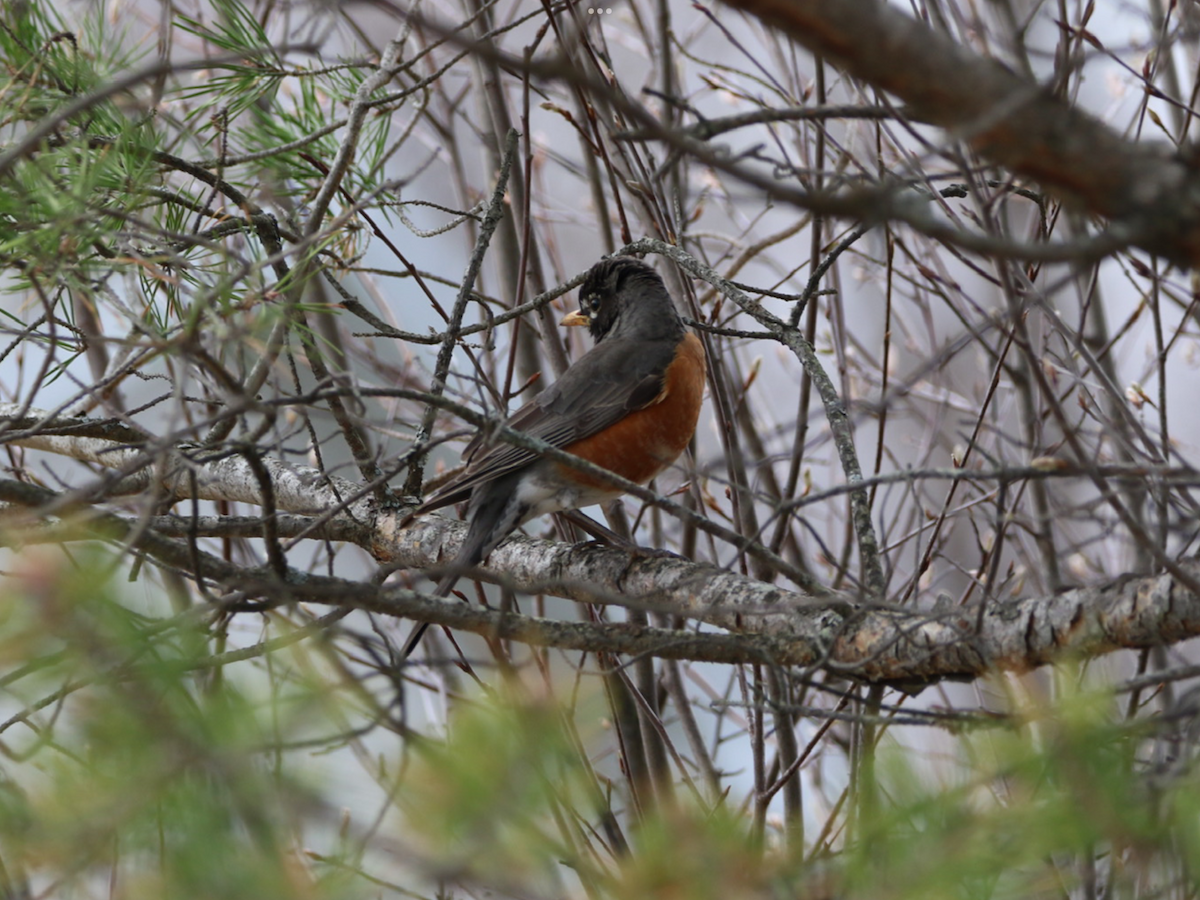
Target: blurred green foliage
column 134, row 760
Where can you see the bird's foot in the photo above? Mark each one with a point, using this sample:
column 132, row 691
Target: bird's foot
column 634, row 552
column 591, row 544
column 652, row 553
column 637, row 554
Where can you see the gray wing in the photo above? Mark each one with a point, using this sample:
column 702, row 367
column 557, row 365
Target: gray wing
column 607, row 383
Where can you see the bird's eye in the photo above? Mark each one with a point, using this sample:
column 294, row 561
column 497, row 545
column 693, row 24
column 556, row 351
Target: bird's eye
column 594, row 304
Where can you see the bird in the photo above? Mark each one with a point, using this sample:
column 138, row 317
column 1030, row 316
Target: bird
column 630, row 405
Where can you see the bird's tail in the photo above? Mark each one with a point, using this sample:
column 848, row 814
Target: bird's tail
column 493, row 516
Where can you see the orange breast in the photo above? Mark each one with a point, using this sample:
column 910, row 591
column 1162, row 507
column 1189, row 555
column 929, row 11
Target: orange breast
column 648, row 440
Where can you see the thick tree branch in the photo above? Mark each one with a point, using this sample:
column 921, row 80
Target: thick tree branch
column 1129, row 613
column 207, row 475
column 895, row 646
column 787, row 628
column 1144, row 188
column 870, row 642
column 599, row 575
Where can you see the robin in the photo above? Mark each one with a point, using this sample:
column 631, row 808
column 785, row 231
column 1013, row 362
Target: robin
column 630, row 405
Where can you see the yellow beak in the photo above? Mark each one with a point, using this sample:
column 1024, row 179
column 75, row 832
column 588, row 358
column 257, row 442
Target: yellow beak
column 576, row 318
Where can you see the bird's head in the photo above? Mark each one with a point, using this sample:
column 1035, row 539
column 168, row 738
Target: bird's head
column 624, row 296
